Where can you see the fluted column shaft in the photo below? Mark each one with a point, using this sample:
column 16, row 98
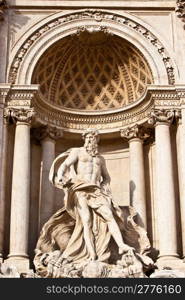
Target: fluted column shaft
column 165, row 192
column 19, row 222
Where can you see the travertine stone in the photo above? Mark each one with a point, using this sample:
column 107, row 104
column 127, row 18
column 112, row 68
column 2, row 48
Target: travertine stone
column 165, row 194
column 135, row 137
column 34, row 194
column 3, row 151
column 58, row 59
column 47, row 190
column 181, row 170
column 3, row 184
column 47, row 135
column 20, row 188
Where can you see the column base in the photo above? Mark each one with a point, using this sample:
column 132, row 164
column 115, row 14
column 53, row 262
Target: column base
column 22, row 264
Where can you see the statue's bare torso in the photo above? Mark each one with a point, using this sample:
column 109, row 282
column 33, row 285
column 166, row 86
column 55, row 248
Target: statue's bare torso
column 89, row 168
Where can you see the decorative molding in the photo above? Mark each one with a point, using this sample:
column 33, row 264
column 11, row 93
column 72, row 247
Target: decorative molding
column 161, row 116
column 98, row 16
column 4, row 94
column 155, row 99
column 168, row 98
column 77, row 121
column 19, row 96
column 44, row 132
column 139, row 112
column 20, row 115
column 92, row 29
column 181, row 10
column 135, row 132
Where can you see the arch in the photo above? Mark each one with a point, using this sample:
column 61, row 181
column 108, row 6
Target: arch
column 92, row 71
column 40, row 37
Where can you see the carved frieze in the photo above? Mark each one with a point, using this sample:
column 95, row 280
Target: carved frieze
column 138, row 113
column 109, row 120
column 157, row 104
column 4, row 93
column 91, row 29
column 99, row 16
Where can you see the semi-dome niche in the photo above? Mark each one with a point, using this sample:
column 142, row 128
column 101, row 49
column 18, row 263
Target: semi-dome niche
column 92, row 71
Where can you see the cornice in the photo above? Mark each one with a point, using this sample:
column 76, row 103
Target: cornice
column 170, row 98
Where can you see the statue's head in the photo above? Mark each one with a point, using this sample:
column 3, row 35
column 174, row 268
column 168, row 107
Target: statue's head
column 91, row 138
column 91, row 132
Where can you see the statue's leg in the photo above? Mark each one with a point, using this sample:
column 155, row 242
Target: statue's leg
column 106, row 213
column 86, row 219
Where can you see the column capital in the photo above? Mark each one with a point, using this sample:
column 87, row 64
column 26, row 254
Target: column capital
column 161, row 116
column 178, row 116
column 134, row 132
column 50, row 132
column 19, row 116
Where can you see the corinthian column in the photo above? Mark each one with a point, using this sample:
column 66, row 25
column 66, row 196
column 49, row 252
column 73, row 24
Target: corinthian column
column 165, row 192
column 19, row 222
column 181, row 169
column 135, row 137
column 3, row 161
column 48, row 136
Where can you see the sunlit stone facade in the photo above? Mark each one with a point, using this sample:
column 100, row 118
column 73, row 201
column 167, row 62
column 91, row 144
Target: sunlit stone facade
column 117, row 67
